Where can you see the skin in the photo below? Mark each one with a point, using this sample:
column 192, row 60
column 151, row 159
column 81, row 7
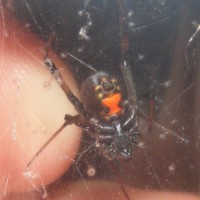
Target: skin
column 32, row 108
column 29, row 114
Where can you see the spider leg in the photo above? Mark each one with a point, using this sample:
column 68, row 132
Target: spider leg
column 69, row 119
column 54, row 70
column 46, row 143
column 132, row 118
column 125, row 67
column 49, row 64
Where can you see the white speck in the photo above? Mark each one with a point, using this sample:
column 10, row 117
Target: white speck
column 140, row 57
column 97, row 144
column 63, row 55
column 83, row 33
column 173, row 121
column 30, row 175
column 44, row 194
column 162, row 136
column 80, row 49
column 80, row 13
column 162, row 2
column 14, row 124
column 167, row 83
column 130, row 13
column 63, row 157
column 172, row 168
column 27, row 25
column 141, row 145
column 91, row 171
column 131, row 24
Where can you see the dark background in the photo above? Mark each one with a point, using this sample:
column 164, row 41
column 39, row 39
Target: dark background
column 158, row 33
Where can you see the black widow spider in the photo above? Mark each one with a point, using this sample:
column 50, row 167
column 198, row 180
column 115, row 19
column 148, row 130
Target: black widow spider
column 103, row 113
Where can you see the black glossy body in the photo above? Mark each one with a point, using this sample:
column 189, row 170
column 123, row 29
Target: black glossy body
column 115, row 135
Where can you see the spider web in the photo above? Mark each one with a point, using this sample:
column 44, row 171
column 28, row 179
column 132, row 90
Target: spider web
column 164, row 54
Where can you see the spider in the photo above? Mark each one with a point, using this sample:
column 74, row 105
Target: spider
column 103, row 112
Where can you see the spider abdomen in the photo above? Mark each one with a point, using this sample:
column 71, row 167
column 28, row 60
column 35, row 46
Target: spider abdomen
column 101, row 95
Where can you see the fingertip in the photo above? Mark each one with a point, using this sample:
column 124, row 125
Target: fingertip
column 32, row 107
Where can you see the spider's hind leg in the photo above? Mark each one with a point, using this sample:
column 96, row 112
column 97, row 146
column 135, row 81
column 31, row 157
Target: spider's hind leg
column 52, row 68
